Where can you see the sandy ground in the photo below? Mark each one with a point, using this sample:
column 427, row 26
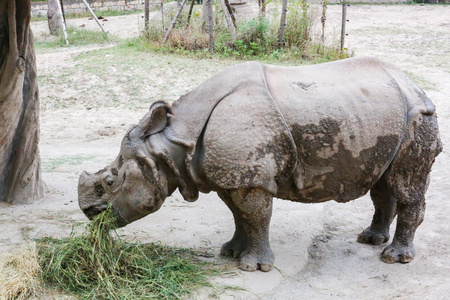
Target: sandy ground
column 317, row 256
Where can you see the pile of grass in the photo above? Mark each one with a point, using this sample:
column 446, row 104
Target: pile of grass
column 19, row 274
column 96, row 265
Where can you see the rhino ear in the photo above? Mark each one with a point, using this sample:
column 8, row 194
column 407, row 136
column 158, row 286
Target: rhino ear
column 154, row 121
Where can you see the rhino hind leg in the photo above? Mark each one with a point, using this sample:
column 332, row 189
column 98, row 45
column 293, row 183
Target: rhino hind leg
column 408, row 180
column 239, row 241
column 253, row 209
column 385, row 210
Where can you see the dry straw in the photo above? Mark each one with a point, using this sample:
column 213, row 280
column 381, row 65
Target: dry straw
column 19, row 274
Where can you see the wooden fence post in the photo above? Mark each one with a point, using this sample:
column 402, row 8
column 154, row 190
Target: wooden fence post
column 147, row 14
column 228, row 19
column 281, row 41
column 210, row 19
column 63, row 21
column 95, row 17
column 344, row 20
column 190, row 13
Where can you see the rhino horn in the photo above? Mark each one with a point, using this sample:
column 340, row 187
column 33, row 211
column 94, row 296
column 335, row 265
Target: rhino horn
column 154, row 121
column 85, row 183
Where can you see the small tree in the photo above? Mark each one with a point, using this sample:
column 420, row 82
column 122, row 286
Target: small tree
column 281, row 40
column 54, row 17
column 208, row 15
column 20, row 171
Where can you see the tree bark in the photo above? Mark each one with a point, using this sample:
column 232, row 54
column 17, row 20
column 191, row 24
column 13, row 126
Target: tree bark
column 20, row 165
column 54, row 20
column 281, row 40
column 262, row 7
column 210, row 22
column 147, row 14
column 207, row 11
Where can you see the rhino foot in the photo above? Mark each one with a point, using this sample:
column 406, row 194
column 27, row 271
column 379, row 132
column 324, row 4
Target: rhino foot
column 394, row 253
column 375, row 237
column 252, row 262
column 234, row 248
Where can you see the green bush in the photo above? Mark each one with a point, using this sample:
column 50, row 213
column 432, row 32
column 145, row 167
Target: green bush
column 257, row 37
column 299, row 22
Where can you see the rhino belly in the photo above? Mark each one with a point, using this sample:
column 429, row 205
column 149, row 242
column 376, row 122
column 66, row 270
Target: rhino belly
column 328, row 169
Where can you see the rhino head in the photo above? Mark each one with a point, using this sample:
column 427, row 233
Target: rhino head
column 136, row 183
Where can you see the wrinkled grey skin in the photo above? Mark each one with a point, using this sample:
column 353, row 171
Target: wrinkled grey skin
column 308, row 134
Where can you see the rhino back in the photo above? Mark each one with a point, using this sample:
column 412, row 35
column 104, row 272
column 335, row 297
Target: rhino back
column 192, row 110
column 347, row 119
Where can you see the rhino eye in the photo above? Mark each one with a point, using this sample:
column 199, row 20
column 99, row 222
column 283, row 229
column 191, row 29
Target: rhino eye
column 108, row 182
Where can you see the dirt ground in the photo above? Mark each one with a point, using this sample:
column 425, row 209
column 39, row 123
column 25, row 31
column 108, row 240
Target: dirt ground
column 90, row 96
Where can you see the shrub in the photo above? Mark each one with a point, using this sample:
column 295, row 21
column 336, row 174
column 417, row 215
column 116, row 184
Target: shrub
column 255, row 37
column 299, row 22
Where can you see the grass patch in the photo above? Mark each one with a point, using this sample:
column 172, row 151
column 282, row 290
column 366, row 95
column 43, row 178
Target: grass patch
column 51, row 165
column 104, row 13
column 96, row 265
column 420, row 81
column 77, row 37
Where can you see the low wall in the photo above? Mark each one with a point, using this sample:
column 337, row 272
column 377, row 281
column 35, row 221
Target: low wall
column 78, row 6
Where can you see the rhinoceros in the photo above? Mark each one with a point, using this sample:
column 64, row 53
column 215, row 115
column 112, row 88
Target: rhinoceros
column 308, row 134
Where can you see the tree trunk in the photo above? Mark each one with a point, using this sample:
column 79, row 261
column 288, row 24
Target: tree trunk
column 20, row 164
column 281, row 41
column 210, row 22
column 262, row 7
column 54, row 19
column 207, row 11
column 147, row 14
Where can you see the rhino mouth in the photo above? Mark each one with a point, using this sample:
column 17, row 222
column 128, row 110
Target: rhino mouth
column 92, row 211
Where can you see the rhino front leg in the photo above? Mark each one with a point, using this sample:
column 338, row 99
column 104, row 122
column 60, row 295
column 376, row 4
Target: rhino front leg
column 254, row 209
column 385, row 211
column 239, row 241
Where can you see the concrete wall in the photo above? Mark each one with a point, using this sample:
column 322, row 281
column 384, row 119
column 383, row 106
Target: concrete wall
column 77, row 6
